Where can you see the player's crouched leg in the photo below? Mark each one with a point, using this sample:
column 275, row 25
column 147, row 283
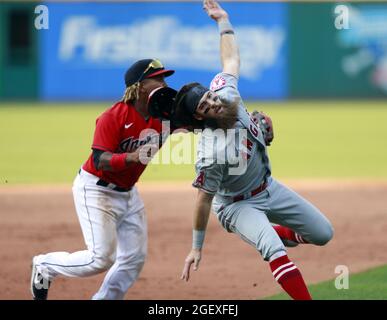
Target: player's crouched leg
column 131, row 265
column 132, row 246
column 77, row 264
column 101, row 257
column 131, row 255
column 323, row 233
column 253, row 227
column 290, row 210
column 315, row 227
column 122, row 275
column 103, row 261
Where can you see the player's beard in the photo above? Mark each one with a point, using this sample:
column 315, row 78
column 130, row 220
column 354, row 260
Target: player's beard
column 225, row 120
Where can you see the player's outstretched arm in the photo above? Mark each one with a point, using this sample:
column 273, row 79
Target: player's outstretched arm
column 115, row 162
column 200, row 220
column 229, row 51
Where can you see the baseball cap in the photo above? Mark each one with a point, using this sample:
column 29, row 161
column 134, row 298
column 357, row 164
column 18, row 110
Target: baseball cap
column 144, row 69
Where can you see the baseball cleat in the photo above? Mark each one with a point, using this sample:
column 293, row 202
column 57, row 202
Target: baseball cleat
column 289, row 243
column 39, row 285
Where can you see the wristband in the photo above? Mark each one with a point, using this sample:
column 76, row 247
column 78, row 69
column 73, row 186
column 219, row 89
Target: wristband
column 198, row 238
column 227, row 32
column 118, row 161
column 225, row 27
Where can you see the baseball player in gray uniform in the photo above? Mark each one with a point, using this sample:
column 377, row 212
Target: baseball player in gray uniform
column 247, row 200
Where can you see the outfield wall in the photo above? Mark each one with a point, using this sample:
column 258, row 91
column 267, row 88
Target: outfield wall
column 288, row 50
column 19, row 74
column 325, row 62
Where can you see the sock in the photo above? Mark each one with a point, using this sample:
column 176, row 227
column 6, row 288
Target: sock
column 289, row 277
column 289, row 234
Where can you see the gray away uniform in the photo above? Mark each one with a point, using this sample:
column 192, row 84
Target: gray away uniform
column 252, row 216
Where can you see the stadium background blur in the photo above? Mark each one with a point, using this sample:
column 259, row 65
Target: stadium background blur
column 288, row 50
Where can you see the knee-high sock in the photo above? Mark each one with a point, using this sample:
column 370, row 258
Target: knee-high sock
column 289, row 234
column 289, row 277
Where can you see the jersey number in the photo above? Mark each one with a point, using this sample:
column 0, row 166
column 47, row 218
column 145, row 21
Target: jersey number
column 249, row 146
column 254, row 130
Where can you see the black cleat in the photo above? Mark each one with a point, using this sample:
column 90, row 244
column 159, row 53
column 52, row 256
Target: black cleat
column 39, row 285
column 289, row 243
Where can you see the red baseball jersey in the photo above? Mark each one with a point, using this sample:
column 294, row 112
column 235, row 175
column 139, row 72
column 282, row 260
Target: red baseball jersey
column 122, row 129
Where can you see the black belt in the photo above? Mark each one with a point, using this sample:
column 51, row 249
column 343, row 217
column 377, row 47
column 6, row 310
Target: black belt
column 112, row 186
column 104, row 183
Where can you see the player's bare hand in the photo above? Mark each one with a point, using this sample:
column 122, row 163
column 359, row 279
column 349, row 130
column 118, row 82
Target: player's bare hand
column 193, row 258
column 214, row 10
column 133, row 157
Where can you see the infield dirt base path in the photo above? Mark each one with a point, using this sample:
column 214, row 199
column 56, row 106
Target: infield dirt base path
column 42, row 219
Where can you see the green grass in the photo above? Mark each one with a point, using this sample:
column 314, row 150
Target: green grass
column 44, row 143
column 368, row 285
column 47, row 143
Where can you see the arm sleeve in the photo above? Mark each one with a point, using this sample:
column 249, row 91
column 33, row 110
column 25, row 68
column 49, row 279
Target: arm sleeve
column 106, row 134
column 226, row 86
column 209, row 177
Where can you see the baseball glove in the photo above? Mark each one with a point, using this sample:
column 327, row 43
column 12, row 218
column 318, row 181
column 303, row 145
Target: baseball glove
column 160, row 102
column 265, row 124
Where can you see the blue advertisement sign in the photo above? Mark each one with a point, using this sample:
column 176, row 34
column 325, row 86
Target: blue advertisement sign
column 88, row 47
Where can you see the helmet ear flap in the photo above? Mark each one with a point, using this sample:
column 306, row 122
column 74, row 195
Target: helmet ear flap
column 160, row 102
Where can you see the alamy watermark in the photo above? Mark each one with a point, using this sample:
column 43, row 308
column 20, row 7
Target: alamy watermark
column 342, row 17
column 42, row 18
column 232, row 147
column 342, row 280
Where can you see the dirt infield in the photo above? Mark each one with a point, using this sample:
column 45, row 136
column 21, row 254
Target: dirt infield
column 42, row 219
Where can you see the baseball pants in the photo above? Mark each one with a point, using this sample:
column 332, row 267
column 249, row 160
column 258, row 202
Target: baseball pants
column 251, row 218
column 115, row 232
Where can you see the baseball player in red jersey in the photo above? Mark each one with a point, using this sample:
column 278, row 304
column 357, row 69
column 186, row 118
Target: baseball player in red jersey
column 109, row 208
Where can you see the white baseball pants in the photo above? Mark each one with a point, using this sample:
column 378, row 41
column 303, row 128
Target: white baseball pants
column 115, row 231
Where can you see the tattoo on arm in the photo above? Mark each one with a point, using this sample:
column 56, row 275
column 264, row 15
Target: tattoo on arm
column 102, row 159
column 96, row 157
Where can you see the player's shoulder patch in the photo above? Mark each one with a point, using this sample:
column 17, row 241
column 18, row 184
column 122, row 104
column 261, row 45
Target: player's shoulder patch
column 218, row 83
column 199, row 181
